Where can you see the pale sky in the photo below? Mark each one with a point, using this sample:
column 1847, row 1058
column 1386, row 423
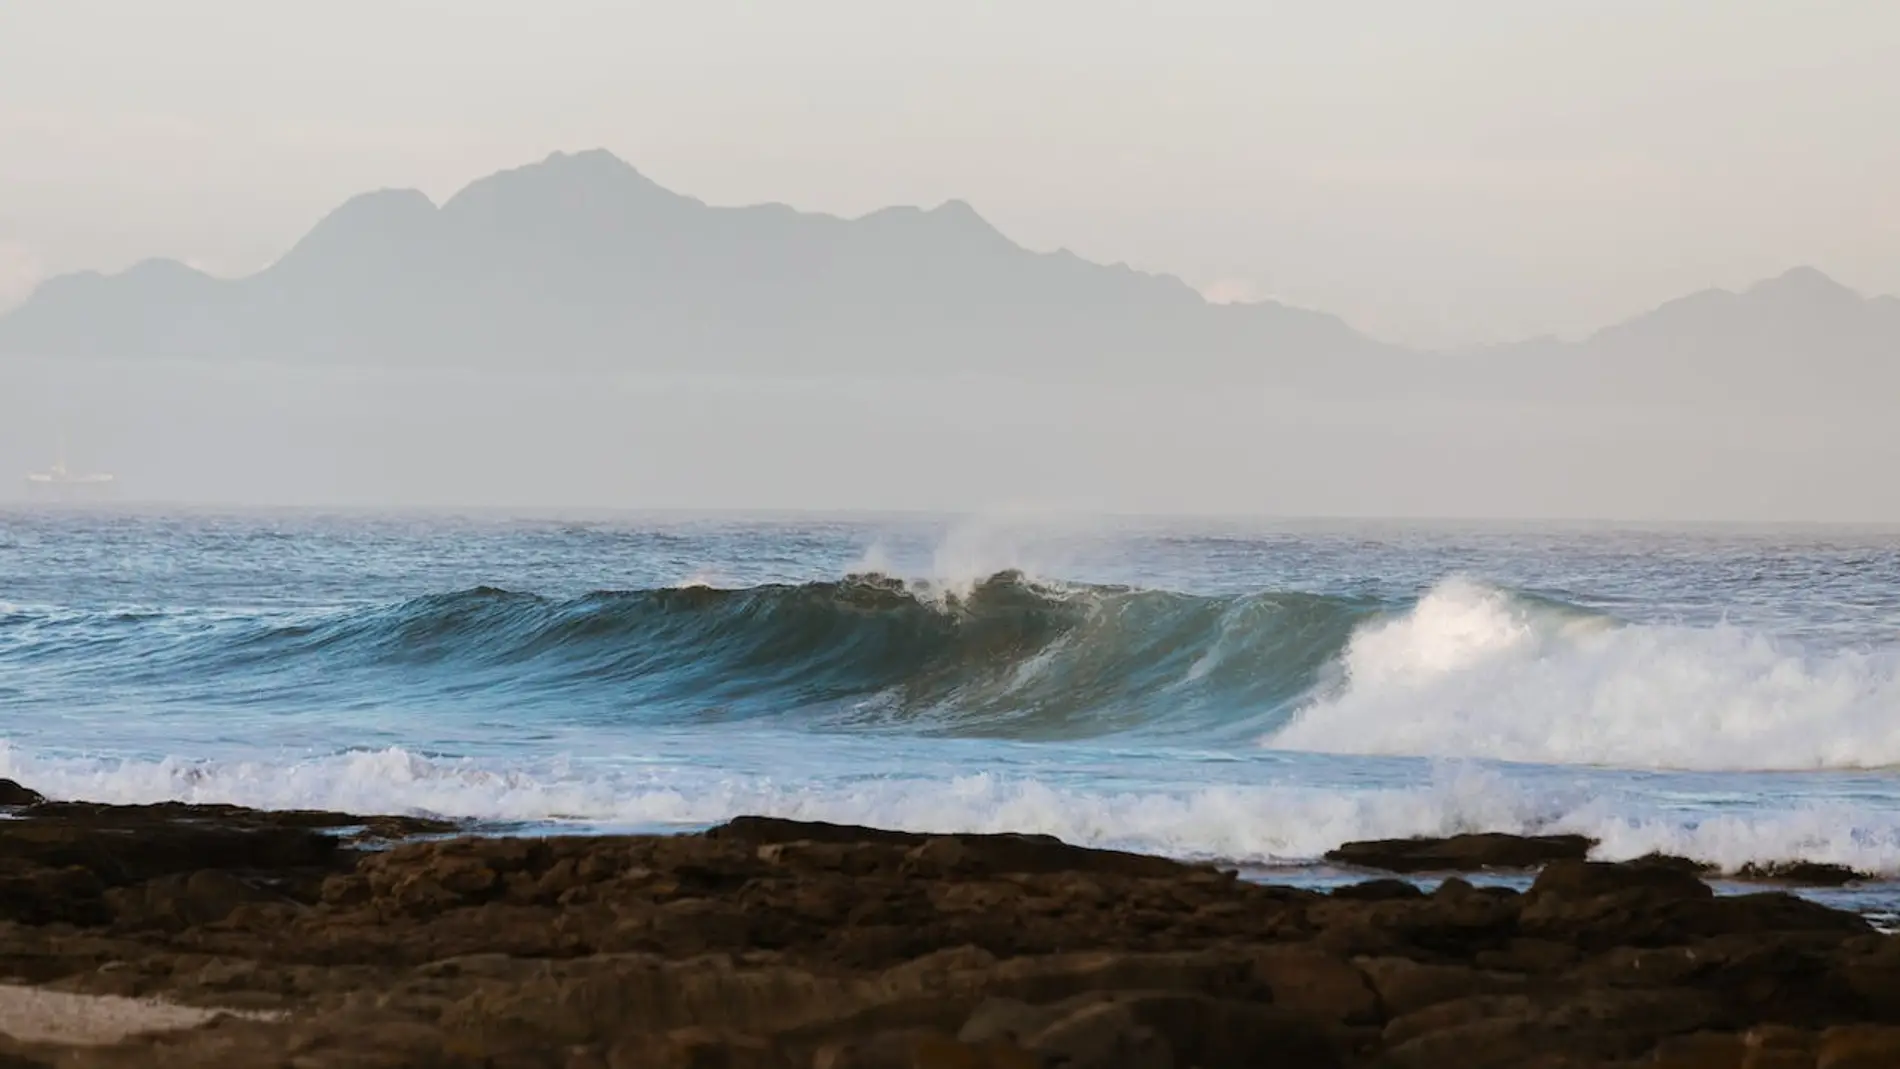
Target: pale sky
column 1435, row 172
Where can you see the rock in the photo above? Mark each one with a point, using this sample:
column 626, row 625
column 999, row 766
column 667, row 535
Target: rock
column 1005, row 1020
column 1596, row 905
column 1776, row 911
column 1624, row 1023
column 1310, row 981
column 781, row 945
column 1529, row 956
column 1483, row 1043
column 1859, row 1046
column 1778, row 1047
column 1216, row 1033
column 697, row 1048
column 1378, row 891
column 124, row 845
column 958, row 854
column 1509, row 1030
column 1103, row 1035
column 1463, row 853
column 1700, row 1050
column 1801, row 873
column 178, row 901
column 1870, row 968
column 1404, row 986
column 1672, row 862
column 64, row 894
column 923, row 1050
column 14, row 796
column 1579, row 880
column 760, row 830
column 1758, row 1049
column 1455, row 1013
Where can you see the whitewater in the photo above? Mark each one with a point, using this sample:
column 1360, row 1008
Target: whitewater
column 1252, row 692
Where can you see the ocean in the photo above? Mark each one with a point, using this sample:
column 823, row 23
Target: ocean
column 1254, row 692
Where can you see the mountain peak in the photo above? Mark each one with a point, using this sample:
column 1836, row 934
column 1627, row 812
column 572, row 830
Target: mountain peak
column 1806, row 284
column 592, row 175
column 957, row 208
column 587, row 160
column 381, row 220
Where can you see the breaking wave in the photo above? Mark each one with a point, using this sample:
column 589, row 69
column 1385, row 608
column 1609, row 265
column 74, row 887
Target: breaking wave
column 1472, row 671
column 1464, row 670
column 1004, row 657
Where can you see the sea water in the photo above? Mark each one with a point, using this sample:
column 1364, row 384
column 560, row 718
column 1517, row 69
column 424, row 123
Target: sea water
column 1252, row 692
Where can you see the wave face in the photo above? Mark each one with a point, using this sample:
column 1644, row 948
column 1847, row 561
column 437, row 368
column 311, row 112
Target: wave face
column 1465, row 670
column 1004, row 657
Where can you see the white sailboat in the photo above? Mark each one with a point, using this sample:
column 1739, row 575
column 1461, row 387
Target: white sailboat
column 61, row 483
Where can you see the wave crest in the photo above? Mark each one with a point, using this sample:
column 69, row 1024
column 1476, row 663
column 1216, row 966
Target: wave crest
column 1472, row 671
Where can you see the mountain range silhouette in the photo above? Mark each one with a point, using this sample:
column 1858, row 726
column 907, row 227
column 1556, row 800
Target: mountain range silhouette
column 581, row 262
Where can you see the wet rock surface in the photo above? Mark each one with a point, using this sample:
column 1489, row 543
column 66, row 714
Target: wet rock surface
column 1462, row 853
column 774, row 944
column 1500, row 852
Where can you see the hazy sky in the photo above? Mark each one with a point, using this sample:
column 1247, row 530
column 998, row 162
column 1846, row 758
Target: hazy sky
column 1438, row 172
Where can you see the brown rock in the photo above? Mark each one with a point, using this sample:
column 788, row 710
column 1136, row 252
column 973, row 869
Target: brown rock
column 922, row 1049
column 1701, row 1050
column 1455, row 1013
column 1778, row 1047
column 14, row 796
column 1596, row 905
column 760, row 830
column 1801, row 873
column 778, row 944
column 1509, row 1030
column 1672, row 862
column 1488, row 1042
column 1462, row 853
column 1870, row 968
column 1405, row 986
column 1006, row 1020
column 1531, row 956
column 1310, row 981
column 1576, row 880
column 1859, row 1046
column 1378, row 891
column 697, row 1048
column 70, row 894
column 1778, row 911
column 178, row 901
column 958, row 854
column 1104, row 1035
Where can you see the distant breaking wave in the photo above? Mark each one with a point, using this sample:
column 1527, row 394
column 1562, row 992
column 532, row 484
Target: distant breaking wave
column 1466, row 670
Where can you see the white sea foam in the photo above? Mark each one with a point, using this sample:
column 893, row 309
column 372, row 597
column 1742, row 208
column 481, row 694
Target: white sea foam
column 1243, row 823
column 1475, row 672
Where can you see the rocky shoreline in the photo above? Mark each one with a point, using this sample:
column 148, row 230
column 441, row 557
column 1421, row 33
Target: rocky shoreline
column 341, row 940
